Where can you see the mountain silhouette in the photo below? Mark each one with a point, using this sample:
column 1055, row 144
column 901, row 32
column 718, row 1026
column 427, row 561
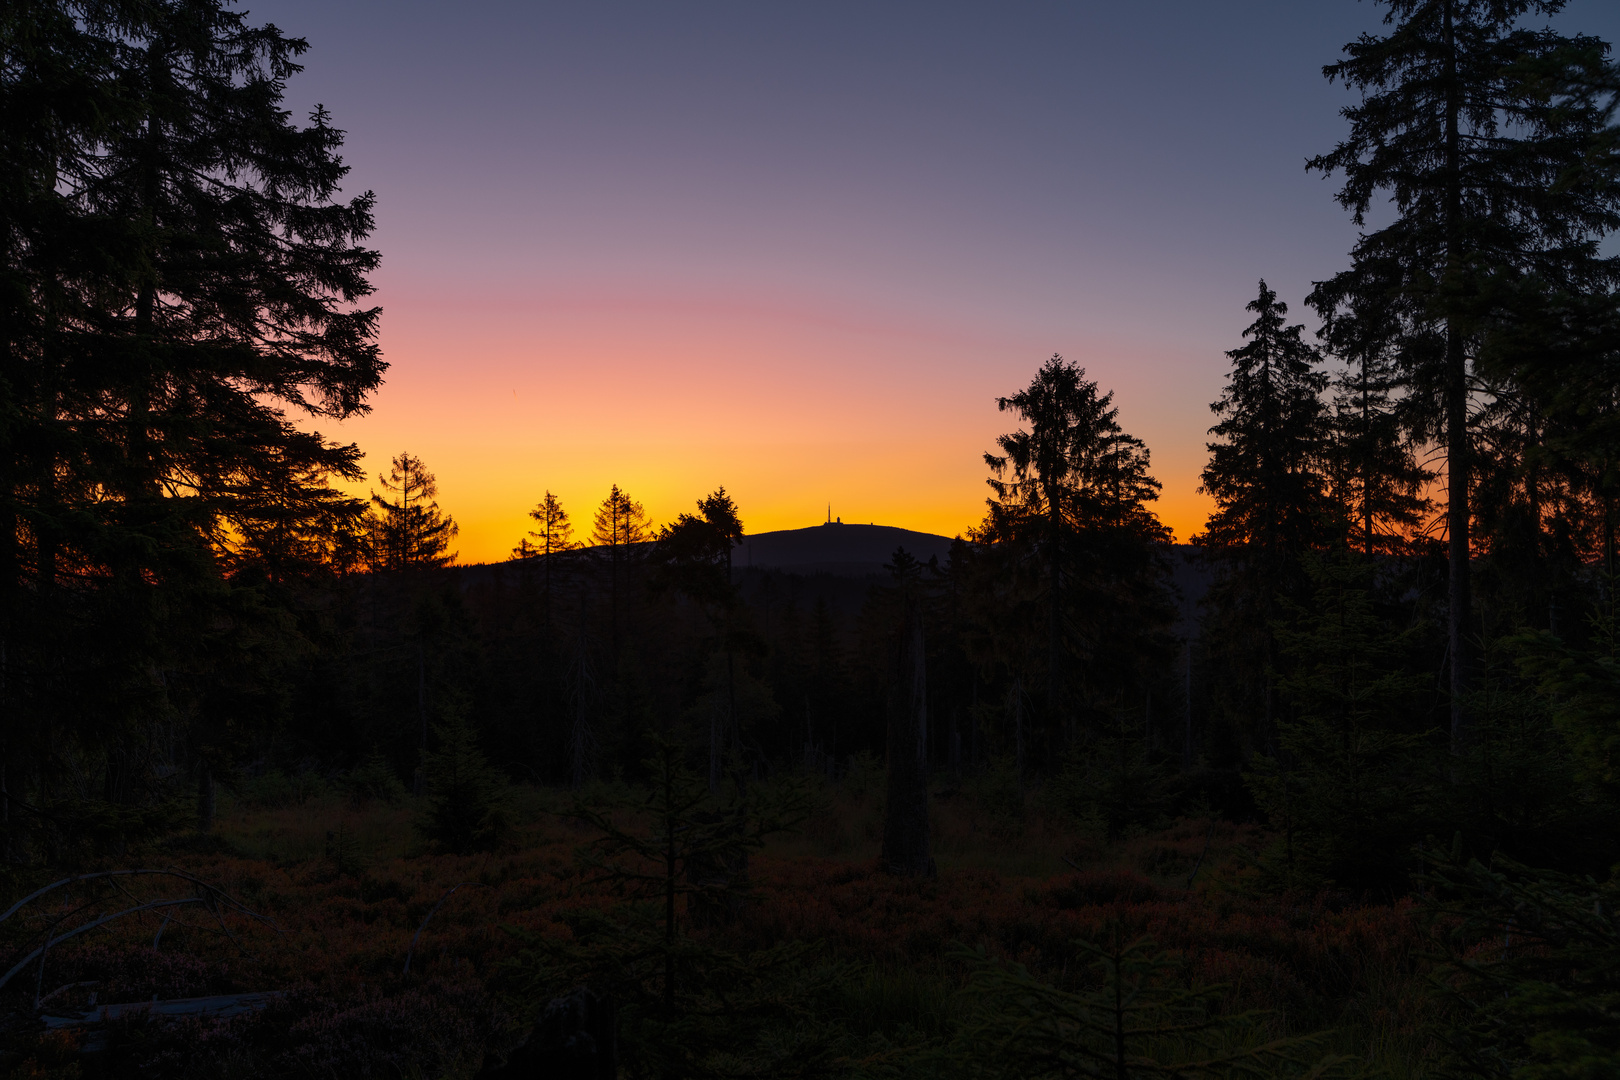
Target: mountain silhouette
column 843, row 550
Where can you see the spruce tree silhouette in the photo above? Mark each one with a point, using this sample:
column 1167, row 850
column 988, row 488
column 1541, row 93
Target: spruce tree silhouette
column 620, row 524
column 1377, row 481
column 182, row 275
column 1064, row 413
column 694, row 558
column 1073, row 473
column 1265, row 468
column 554, row 537
column 1476, row 159
column 1137, row 1017
column 1266, row 475
column 411, row 532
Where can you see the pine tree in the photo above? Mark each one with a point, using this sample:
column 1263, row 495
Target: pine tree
column 1376, row 482
column 464, row 808
column 1265, row 467
column 410, row 530
column 1069, row 422
column 181, row 276
column 1580, row 682
column 1530, row 972
column 300, row 528
column 555, row 534
column 1475, row 158
column 686, row 1007
column 719, row 510
column 1265, row 473
column 620, row 524
column 1137, row 1016
column 554, row 537
column 694, row 558
column 1072, row 496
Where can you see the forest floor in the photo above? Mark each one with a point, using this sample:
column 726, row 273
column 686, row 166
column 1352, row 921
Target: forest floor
column 348, row 886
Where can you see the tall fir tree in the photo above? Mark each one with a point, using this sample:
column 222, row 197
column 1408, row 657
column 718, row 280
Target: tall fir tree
column 1375, row 477
column 410, row 531
column 1067, row 420
column 553, row 537
column 619, row 527
column 182, row 275
column 1475, row 159
column 1266, row 475
column 694, row 557
column 1265, row 468
column 1072, row 494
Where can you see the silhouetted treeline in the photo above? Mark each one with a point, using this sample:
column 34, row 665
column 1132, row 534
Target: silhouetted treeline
column 1407, row 626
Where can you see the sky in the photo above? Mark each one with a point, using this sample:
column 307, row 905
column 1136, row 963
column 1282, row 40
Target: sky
column 799, row 250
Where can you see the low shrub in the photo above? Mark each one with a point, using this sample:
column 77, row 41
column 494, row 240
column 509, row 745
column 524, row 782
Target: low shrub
column 374, row 779
column 276, row 790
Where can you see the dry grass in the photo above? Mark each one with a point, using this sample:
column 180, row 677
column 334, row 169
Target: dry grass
column 349, row 885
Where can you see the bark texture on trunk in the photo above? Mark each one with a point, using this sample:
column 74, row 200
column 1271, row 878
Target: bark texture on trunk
column 905, row 815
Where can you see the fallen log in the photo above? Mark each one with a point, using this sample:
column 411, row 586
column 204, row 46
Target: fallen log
column 216, row 1007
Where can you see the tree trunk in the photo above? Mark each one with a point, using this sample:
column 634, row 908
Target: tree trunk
column 1055, row 620
column 5, row 760
column 1366, row 465
column 905, row 815
column 1458, row 597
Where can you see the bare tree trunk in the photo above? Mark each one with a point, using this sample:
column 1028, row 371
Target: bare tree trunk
column 5, row 763
column 905, row 815
column 1366, row 464
column 1054, row 657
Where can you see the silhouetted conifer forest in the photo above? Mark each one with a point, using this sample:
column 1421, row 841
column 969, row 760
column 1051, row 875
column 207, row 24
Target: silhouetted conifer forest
column 1329, row 790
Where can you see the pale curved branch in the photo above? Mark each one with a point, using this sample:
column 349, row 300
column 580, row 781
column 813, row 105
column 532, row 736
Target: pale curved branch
column 25, row 961
column 415, row 937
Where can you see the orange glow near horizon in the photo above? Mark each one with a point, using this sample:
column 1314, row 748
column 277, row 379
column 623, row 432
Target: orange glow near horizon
column 788, row 407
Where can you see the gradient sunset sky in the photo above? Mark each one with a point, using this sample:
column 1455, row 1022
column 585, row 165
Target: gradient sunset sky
column 799, row 249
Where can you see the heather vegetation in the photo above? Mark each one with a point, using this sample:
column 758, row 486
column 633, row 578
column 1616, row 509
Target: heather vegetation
column 287, row 791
